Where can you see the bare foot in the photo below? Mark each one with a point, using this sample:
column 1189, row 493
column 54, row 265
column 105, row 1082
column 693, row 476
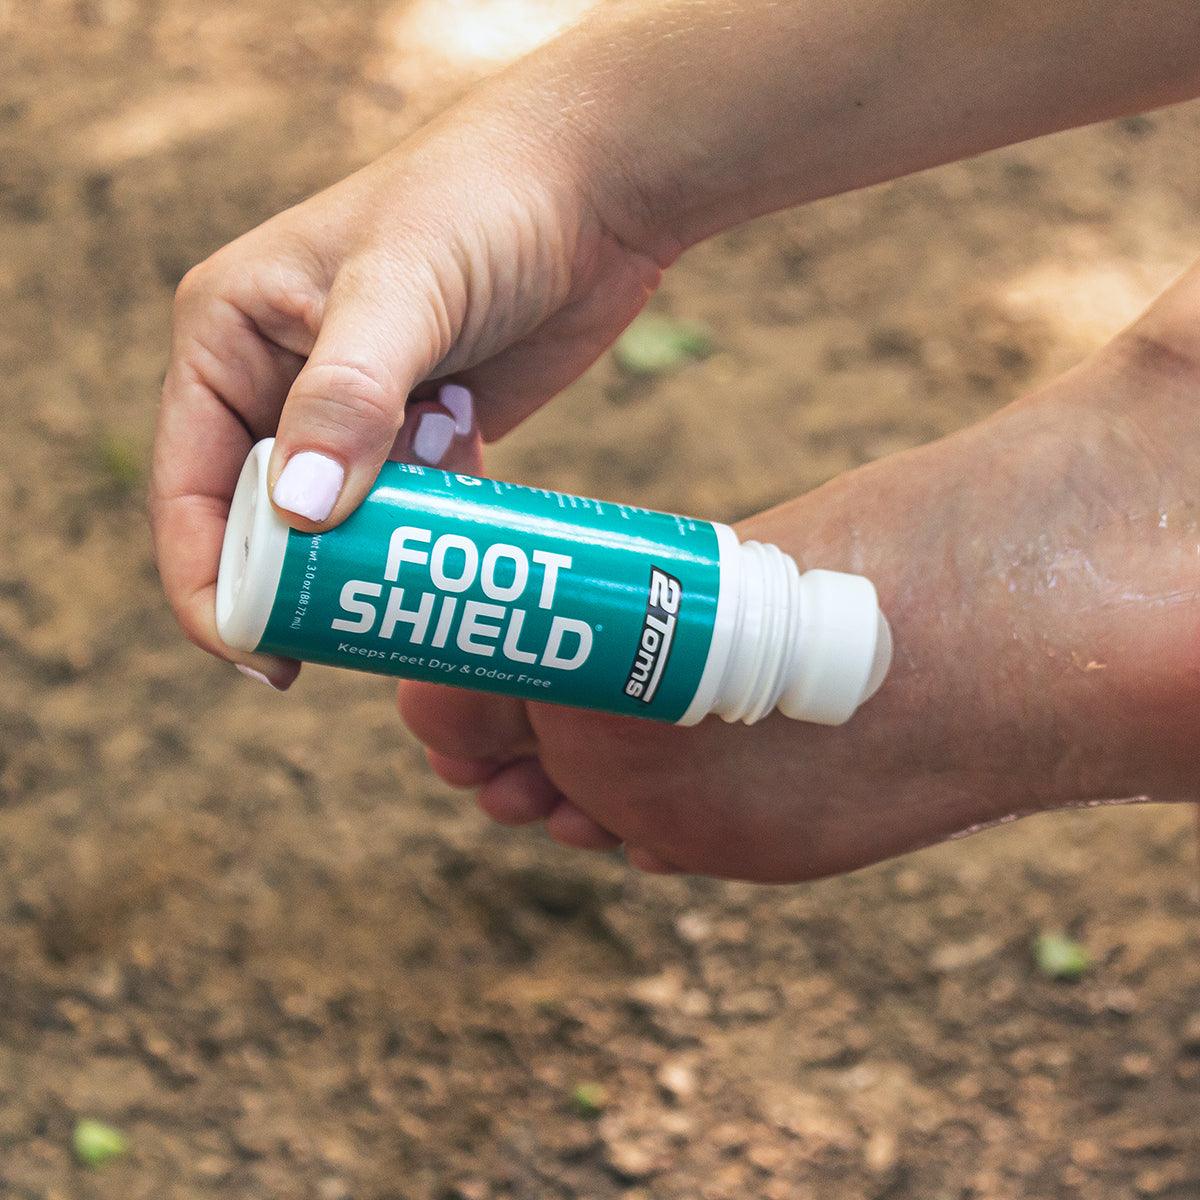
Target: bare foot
column 1041, row 571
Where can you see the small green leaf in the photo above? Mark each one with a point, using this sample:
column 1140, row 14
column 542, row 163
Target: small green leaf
column 1061, row 957
column 654, row 343
column 121, row 462
column 95, row 1143
column 589, row 1099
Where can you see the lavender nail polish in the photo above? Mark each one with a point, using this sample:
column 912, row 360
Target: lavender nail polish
column 257, row 676
column 434, row 433
column 460, row 404
column 309, row 485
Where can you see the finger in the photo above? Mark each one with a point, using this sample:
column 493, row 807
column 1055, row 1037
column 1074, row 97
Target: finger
column 223, row 379
column 571, row 826
column 648, row 861
column 519, row 794
column 466, row 725
column 462, row 772
column 520, row 379
column 345, row 409
column 441, row 431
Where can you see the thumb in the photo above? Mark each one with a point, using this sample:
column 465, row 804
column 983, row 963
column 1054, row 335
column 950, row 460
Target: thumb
column 346, row 406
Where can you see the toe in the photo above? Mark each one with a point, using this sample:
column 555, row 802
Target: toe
column 519, row 794
column 462, row 772
column 571, row 826
column 465, row 725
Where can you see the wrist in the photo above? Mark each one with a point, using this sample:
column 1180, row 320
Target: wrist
column 682, row 120
column 577, row 114
column 686, row 118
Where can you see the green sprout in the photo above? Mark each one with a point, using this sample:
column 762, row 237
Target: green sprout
column 589, row 1099
column 121, row 462
column 95, row 1143
column 654, row 343
column 1061, row 957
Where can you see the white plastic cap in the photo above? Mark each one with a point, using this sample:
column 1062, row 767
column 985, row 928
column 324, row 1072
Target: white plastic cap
column 816, row 646
column 251, row 556
column 843, row 652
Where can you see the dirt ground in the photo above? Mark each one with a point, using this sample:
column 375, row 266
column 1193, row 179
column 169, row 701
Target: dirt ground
column 255, row 934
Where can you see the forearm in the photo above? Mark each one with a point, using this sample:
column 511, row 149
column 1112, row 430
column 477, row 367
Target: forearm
column 714, row 111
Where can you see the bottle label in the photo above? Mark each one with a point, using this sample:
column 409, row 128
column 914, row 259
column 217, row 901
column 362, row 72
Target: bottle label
column 479, row 583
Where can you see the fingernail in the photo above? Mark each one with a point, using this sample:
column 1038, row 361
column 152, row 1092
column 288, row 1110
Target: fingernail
column 309, row 485
column 251, row 673
column 435, row 432
column 459, row 403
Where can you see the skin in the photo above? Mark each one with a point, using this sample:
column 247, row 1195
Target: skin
column 507, row 244
column 1041, row 571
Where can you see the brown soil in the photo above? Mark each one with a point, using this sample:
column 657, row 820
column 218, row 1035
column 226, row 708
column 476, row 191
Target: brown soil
column 254, row 933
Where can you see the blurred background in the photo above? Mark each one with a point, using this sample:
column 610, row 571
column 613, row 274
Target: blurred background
column 256, row 942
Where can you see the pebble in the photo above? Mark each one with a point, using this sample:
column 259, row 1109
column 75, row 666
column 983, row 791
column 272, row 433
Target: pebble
column 728, row 1137
column 955, row 956
column 465, row 1189
column 1120, row 1001
column 677, row 1125
column 768, row 1157
column 693, row 927
column 631, row 1161
column 1136, row 1067
column 678, row 1080
column 1191, row 1034
column 76, row 1014
column 1151, row 1139
column 572, row 1143
column 1187, row 1072
column 1073, row 1177
column 881, row 1154
column 732, row 931
column 1154, row 1181
column 822, row 1050
column 657, row 991
column 105, row 986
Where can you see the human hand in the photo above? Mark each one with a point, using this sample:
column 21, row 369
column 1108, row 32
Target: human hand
column 1041, row 574
column 482, row 250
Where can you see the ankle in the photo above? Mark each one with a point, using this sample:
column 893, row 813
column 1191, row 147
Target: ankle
column 1041, row 573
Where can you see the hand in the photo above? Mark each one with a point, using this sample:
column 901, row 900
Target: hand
column 482, row 249
column 1041, row 572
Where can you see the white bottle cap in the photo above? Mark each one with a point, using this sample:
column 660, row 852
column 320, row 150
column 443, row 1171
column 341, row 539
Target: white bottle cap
column 251, row 556
column 815, row 646
column 843, row 651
